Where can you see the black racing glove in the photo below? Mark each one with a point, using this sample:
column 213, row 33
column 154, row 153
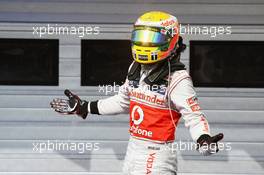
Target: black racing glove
column 207, row 145
column 73, row 105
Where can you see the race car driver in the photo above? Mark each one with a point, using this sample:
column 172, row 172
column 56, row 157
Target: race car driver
column 157, row 92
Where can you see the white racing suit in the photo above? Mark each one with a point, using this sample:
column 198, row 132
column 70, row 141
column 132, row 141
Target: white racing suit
column 154, row 115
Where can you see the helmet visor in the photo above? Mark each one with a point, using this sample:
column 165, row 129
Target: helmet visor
column 148, row 38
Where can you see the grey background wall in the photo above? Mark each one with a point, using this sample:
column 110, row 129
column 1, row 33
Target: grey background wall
column 25, row 117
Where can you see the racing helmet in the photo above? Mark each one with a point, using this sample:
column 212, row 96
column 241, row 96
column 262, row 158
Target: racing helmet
column 154, row 37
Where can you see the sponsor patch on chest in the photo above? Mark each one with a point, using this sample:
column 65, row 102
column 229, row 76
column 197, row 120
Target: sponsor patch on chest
column 150, row 98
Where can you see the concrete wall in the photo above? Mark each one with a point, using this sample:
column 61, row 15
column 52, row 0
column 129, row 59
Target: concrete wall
column 25, row 116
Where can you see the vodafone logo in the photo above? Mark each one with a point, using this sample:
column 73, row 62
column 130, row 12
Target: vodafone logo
column 139, row 112
column 136, row 128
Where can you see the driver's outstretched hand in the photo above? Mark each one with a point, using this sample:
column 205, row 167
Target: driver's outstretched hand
column 72, row 105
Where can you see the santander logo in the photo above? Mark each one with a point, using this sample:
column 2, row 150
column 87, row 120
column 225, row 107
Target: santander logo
column 167, row 23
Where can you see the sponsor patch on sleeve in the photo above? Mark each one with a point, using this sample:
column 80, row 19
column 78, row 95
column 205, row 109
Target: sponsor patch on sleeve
column 195, row 108
column 193, row 103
